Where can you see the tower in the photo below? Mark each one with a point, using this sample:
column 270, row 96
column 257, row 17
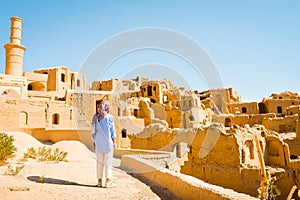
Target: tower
column 14, row 49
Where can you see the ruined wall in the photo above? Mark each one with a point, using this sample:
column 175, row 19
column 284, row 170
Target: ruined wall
column 298, row 132
column 95, row 85
column 195, row 118
column 153, row 91
column 55, row 135
column 58, row 78
column 131, row 124
column 13, row 87
column 279, row 105
column 78, row 81
column 52, row 77
column 231, row 163
column 36, row 82
column 152, row 138
column 286, row 95
column 218, row 99
column 17, row 114
column 281, row 124
column 246, row 119
column 58, row 116
column 131, row 85
column 63, row 79
column 275, row 152
column 159, row 111
column 84, row 104
column 243, row 108
column 221, row 166
column 292, row 110
column 145, row 112
column 229, row 160
column 181, row 185
column 109, row 85
column 174, row 117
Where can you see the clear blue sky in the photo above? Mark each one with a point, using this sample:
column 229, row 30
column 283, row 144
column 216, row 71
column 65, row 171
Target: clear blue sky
column 255, row 45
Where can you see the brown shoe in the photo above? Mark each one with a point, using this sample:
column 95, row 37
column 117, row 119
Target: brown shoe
column 99, row 183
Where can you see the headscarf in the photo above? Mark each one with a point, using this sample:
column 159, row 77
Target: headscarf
column 103, row 110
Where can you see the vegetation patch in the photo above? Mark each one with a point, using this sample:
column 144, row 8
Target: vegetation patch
column 7, row 148
column 45, row 154
column 13, row 170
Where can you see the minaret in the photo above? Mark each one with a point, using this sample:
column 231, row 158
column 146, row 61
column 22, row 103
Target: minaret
column 14, row 49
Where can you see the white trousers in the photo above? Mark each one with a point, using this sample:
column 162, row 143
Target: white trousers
column 104, row 165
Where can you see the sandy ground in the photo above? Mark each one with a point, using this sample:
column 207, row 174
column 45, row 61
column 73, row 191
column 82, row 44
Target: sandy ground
column 75, row 179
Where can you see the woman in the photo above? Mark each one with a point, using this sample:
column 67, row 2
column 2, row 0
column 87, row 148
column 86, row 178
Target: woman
column 103, row 134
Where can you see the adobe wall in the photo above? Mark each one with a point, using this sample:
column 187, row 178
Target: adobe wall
column 159, row 111
column 292, row 110
column 47, row 116
column 286, row 95
column 58, row 115
column 243, row 108
column 131, row 124
column 243, row 119
column 95, row 85
column 277, row 105
column 219, row 99
column 52, row 76
column 233, row 160
column 78, row 81
column 174, row 117
column 18, row 113
column 218, row 165
column 153, row 90
column 222, row 165
column 36, row 82
column 298, row 132
column 108, row 85
column 13, row 86
column 195, row 117
column 152, row 138
column 145, row 112
column 181, row 185
column 58, row 78
column 281, row 124
column 84, row 105
column 229, row 159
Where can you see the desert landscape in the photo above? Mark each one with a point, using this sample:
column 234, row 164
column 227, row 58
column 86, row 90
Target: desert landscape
column 171, row 142
column 74, row 179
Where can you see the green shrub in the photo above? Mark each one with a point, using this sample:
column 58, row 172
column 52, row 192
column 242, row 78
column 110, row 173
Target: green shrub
column 272, row 189
column 7, row 148
column 12, row 171
column 31, row 153
column 45, row 154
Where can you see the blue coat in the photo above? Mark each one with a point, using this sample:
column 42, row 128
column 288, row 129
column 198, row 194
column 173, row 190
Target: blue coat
column 103, row 134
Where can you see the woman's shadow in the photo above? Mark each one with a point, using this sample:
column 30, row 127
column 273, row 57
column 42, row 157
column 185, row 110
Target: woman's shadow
column 40, row 179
